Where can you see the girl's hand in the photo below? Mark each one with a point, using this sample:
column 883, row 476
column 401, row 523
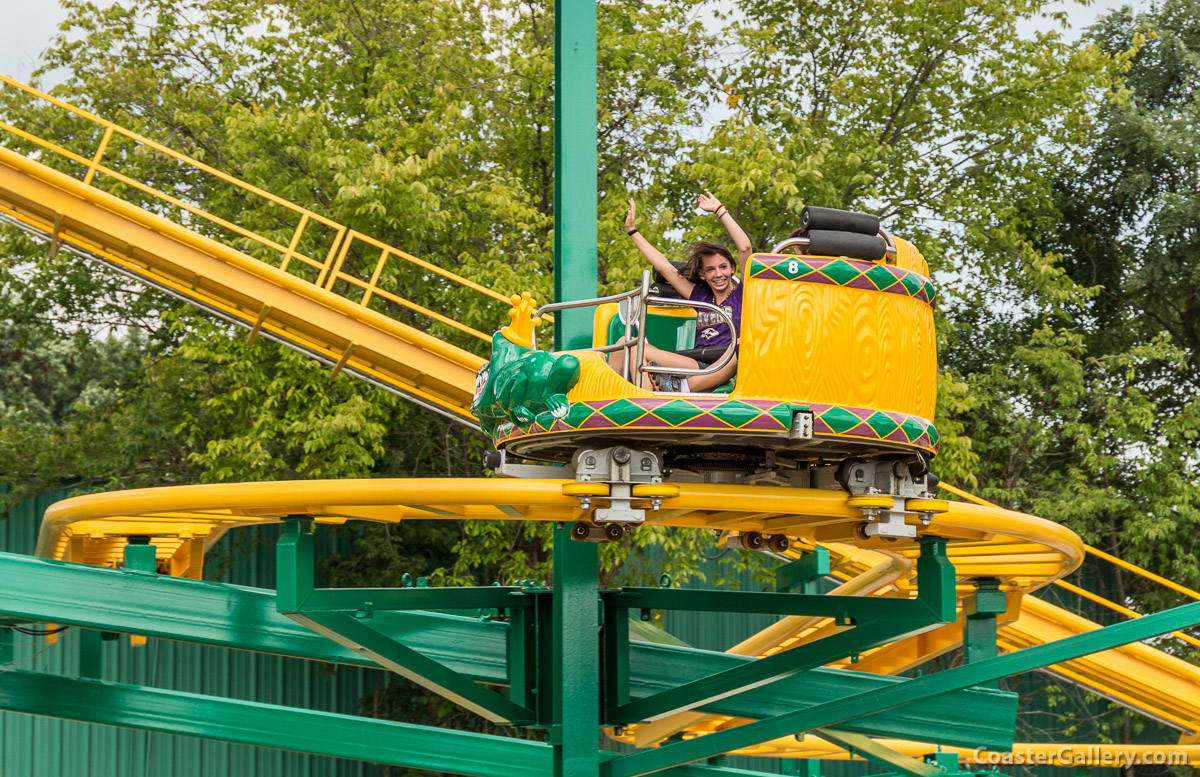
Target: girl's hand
column 630, row 215
column 708, row 202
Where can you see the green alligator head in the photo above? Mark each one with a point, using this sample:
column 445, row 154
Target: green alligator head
column 519, row 383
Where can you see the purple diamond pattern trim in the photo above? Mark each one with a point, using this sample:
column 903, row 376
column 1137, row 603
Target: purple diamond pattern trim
column 779, row 267
column 721, row 415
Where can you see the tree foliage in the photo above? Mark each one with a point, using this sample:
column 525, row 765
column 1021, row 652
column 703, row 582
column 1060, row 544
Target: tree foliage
column 1083, row 407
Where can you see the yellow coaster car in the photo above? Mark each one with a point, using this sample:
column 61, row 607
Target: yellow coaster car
column 837, row 358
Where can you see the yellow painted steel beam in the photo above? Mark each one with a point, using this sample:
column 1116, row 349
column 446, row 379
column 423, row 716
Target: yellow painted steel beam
column 804, row 514
column 238, row 287
column 184, row 519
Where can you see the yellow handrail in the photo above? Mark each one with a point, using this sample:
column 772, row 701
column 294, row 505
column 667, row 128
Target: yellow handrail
column 330, row 271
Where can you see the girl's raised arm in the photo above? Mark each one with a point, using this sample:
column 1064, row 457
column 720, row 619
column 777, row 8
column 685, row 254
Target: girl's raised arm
column 655, row 257
column 711, row 204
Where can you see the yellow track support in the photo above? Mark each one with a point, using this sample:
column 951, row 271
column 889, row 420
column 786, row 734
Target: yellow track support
column 328, row 317
column 1036, row 551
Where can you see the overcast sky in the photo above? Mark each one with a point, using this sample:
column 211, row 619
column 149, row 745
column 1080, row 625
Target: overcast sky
column 29, row 25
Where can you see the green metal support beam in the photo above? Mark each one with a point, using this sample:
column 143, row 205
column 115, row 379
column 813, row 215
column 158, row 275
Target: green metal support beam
column 268, row 725
column 286, row 728
column 575, row 656
column 399, row 599
column 357, row 635
column 842, row 608
column 936, row 597
column 228, row 616
column 575, row 176
column 347, row 616
column 835, row 713
column 766, row 671
column 575, row 640
column 878, row 754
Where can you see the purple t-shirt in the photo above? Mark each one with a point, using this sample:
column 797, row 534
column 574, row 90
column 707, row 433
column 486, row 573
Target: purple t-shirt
column 711, row 329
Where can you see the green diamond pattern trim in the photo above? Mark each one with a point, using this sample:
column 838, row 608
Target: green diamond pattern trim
column 842, row 272
column 882, row 424
column 737, row 414
column 881, row 277
column 913, row 428
column 848, row 273
column 840, row 420
column 912, row 284
column 622, row 412
column 677, row 412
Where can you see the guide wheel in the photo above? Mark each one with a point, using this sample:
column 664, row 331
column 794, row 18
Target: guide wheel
column 751, row 540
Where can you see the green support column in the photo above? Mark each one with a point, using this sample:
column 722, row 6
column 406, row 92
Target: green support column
column 141, row 557
column 979, row 629
column 576, row 657
column 804, row 574
column 576, row 622
column 574, row 167
column 91, row 654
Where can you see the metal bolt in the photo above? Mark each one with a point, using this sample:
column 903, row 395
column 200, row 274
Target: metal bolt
column 621, row 454
column 590, row 461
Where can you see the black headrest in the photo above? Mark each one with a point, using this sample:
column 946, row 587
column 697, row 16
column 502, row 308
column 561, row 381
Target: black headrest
column 836, row 220
column 661, row 287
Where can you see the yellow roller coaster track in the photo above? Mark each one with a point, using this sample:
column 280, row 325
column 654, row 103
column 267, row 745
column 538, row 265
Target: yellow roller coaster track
column 330, row 315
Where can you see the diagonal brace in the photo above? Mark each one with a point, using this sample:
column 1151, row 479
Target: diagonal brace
column 878, row 754
column 890, row 619
column 350, row 632
column 755, row 674
column 929, row 686
column 295, row 599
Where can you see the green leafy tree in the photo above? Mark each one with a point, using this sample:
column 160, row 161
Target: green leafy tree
column 1084, row 409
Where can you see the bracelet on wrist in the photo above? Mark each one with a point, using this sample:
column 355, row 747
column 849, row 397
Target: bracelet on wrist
column 631, row 232
column 722, row 211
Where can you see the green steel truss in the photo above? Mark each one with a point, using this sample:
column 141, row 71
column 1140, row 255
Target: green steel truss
column 460, row 656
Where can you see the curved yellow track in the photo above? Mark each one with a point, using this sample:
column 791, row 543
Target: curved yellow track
column 1024, row 551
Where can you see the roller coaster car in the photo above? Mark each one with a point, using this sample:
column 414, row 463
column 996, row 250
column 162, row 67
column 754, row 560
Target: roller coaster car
column 837, row 364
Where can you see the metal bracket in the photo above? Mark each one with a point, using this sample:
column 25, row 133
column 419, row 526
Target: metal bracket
column 621, row 468
column 500, row 463
column 802, row 425
column 893, row 484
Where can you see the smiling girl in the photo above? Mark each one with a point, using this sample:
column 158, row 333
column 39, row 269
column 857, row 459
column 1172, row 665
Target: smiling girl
column 708, row 277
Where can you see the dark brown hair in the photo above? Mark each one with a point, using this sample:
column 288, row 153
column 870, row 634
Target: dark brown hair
column 695, row 259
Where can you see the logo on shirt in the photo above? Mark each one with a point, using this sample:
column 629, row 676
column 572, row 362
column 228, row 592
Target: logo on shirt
column 709, row 334
column 711, row 318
